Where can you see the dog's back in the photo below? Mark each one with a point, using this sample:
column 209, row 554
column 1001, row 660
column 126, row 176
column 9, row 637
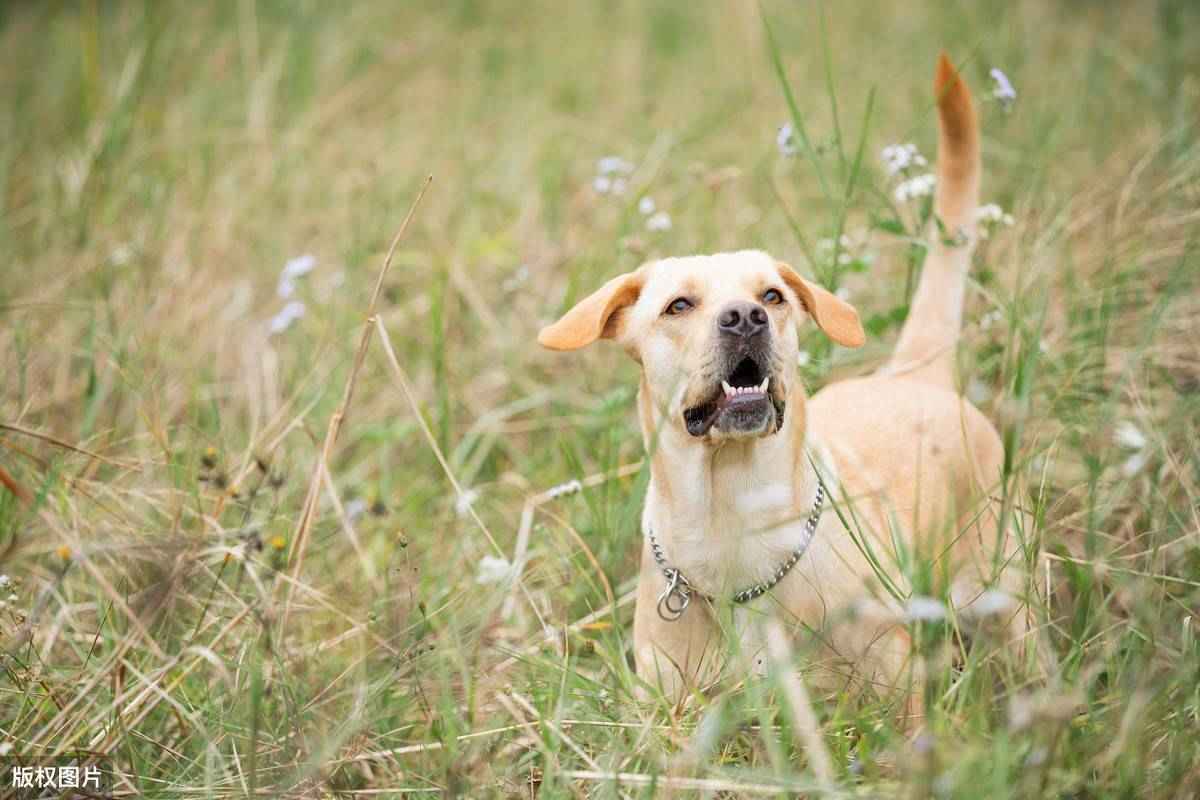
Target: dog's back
column 919, row 462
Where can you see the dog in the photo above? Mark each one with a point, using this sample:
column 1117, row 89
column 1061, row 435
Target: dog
column 754, row 488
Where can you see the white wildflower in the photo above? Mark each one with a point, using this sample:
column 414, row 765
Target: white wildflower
column 613, row 165
column 1003, row 90
column 659, row 221
column 803, row 358
column 646, row 206
column 570, row 487
column 924, row 609
column 898, row 158
column 618, row 186
column 463, row 503
column 286, row 316
column 6, row 749
column 299, row 266
column 786, row 140
column 1129, row 436
column 1020, row 711
column 516, row 279
column 121, row 255
column 990, row 318
column 5, row 581
column 991, row 216
column 294, row 269
column 978, row 392
column 844, row 242
column 356, row 508
column 989, row 213
column 849, row 249
column 916, row 186
column 1135, row 463
column 602, row 184
column 992, row 603
column 493, row 569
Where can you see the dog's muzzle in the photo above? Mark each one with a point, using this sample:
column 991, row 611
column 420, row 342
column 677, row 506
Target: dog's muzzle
column 742, row 403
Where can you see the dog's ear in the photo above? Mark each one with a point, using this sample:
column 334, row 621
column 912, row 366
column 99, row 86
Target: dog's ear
column 594, row 317
column 834, row 316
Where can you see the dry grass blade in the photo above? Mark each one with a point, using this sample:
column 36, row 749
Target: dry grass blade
column 627, row 597
column 348, row 527
column 534, row 502
column 65, row 445
column 10, row 483
column 406, row 387
column 697, row 784
column 533, row 712
column 803, row 715
column 312, row 499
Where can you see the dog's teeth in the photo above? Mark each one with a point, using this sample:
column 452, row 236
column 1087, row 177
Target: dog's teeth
column 729, row 391
column 763, row 388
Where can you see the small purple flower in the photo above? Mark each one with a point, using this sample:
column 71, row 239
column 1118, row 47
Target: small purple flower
column 786, row 140
column 1003, row 91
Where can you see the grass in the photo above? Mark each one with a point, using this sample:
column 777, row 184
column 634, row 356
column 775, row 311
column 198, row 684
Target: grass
column 160, row 162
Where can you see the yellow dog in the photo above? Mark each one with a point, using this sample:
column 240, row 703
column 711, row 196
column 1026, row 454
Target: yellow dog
column 745, row 473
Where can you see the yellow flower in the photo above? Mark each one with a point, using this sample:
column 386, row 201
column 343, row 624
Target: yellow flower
column 64, row 552
column 278, row 542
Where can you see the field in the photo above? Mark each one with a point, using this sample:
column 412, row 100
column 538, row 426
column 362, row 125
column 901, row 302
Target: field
column 253, row 547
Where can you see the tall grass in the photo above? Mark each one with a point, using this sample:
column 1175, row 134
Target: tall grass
column 160, row 163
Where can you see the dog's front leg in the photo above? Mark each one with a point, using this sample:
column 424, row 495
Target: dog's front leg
column 900, row 670
column 676, row 656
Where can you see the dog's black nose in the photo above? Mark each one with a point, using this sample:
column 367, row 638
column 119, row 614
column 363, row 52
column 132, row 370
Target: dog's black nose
column 742, row 319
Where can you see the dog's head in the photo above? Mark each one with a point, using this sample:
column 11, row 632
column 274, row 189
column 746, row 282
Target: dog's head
column 715, row 335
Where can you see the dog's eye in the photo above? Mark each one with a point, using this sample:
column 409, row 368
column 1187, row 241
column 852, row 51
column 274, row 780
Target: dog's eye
column 772, row 297
column 678, row 306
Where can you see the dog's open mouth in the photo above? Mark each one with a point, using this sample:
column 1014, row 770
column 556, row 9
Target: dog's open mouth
column 741, row 404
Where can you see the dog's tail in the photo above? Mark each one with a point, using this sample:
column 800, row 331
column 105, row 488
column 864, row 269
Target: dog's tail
column 926, row 346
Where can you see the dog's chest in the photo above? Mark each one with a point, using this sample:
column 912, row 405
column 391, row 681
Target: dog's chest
column 735, row 540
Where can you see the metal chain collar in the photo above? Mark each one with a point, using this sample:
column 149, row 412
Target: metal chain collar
column 675, row 598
